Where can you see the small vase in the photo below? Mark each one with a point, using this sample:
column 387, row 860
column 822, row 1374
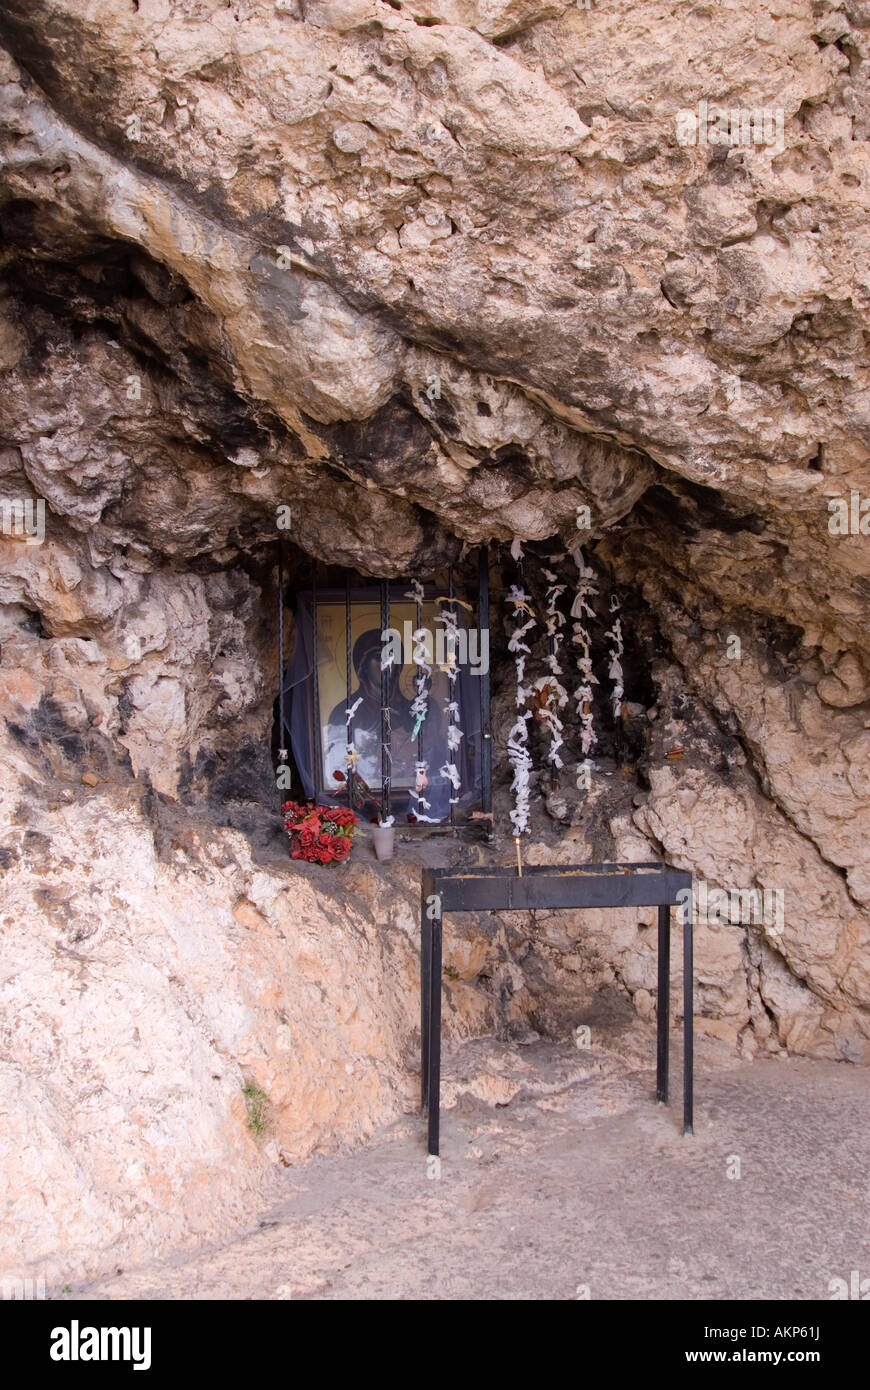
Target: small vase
column 384, row 840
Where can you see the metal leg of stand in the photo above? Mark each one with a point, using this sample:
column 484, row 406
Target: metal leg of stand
column 663, row 1002
column 427, row 892
column 688, row 1020
column 434, row 1085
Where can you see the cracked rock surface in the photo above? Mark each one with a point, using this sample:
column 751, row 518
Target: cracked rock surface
column 432, row 276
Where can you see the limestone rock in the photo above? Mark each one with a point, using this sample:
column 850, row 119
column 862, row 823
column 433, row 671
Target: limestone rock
column 422, row 277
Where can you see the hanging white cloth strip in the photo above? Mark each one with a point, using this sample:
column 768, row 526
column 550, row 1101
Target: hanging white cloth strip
column 555, row 618
column 421, row 782
column 351, row 756
column 616, row 654
column 580, row 609
column 553, row 695
column 521, row 762
column 420, row 702
column 451, row 669
column 518, row 738
column 420, row 709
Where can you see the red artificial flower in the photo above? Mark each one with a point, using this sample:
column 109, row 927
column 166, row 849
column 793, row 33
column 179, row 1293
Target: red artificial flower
column 319, row 834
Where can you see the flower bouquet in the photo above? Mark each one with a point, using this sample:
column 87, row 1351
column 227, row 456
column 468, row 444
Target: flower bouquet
column 319, row 834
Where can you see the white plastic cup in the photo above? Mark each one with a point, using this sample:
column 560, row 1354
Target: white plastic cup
column 384, row 840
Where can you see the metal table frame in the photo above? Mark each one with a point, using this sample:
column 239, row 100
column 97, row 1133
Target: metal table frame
column 554, row 886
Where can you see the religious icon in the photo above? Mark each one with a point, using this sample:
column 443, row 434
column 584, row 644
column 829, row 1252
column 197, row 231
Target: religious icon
column 365, row 721
column 350, row 745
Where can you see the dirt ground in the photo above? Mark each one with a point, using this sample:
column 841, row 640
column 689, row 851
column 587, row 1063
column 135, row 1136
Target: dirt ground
column 580, row 1187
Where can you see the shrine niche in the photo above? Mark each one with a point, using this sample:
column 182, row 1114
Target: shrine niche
column 385, row 700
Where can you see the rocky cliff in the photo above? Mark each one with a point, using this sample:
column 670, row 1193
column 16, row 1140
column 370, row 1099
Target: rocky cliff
column 431, row 275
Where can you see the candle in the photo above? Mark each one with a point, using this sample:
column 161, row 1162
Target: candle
column 519, row 856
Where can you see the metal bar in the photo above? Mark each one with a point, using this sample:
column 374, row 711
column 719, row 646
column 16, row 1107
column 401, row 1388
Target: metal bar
column 427, row 903
column 282, row 735
column 534, row 891
column 418, row 672
column 663, row 1004
column 624, row 867
column 434, row 1085
column 453, row 695
column 688, row 1019
column 349, row 770
column 386, row 739
column 317, row 769
column 485, row 712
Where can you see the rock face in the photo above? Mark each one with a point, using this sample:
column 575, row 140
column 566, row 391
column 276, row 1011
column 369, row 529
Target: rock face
column 431, row 277
column 148, row 997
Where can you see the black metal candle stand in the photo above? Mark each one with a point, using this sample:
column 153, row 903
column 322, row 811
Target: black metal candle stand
column 554, row 886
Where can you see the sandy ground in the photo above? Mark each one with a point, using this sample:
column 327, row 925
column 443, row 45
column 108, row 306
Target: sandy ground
column 580, row 1187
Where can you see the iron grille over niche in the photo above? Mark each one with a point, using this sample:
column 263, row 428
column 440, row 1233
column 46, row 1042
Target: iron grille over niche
column 385, row 699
